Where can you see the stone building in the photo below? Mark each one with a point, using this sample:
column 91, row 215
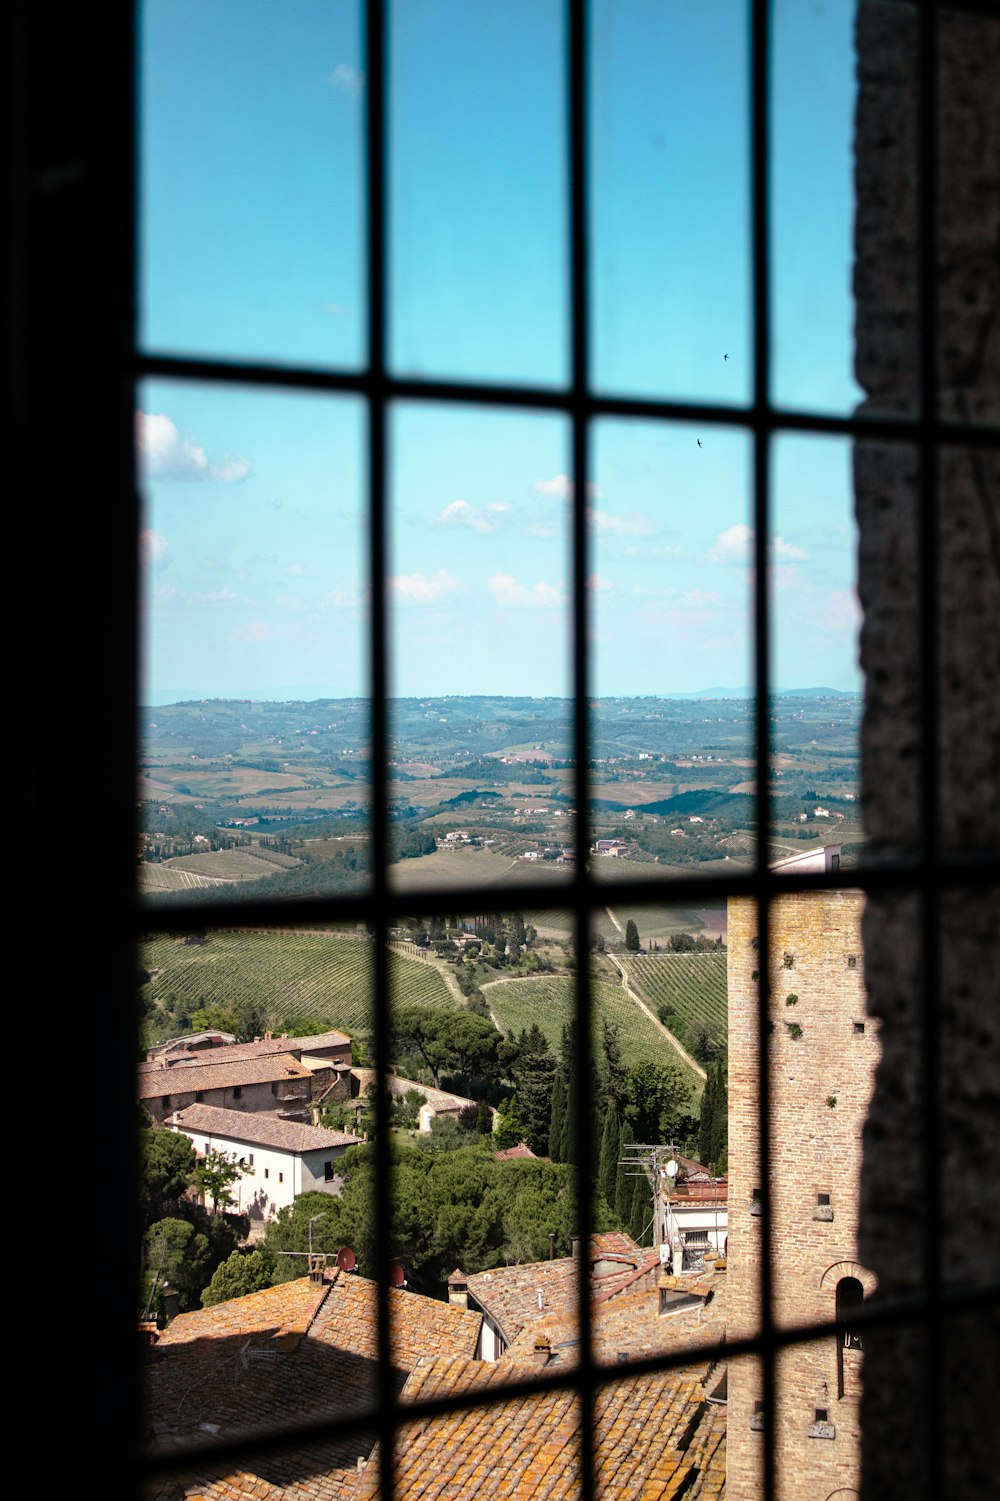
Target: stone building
column 823, row 1053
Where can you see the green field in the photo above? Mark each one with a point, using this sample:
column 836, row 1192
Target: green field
column 151, row 877
column 233, row 865
column 693, row 986
column 459, row 868
column 548, row 1000
column 296, row 976
column 661, row 922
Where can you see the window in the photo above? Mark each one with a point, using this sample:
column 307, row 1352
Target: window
column 97, row 315
column 237, row 1092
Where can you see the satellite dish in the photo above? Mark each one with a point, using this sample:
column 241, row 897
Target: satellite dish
column 671, row 1169
column 346, row 1259
column 397, row 1275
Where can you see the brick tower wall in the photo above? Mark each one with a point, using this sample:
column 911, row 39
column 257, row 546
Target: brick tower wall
column 821, row 1082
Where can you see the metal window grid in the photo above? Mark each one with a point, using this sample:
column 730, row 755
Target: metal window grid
column 118, row 363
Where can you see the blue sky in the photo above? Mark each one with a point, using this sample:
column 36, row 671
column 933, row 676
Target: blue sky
column 251, row 170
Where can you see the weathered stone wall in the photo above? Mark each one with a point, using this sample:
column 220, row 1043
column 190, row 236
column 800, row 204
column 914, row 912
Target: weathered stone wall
column 823, row 1053
column 918, row 1406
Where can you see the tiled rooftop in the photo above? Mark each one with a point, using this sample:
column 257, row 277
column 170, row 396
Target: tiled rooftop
column 527, row 1448
column 511, row 1295
column 222, row 1073
column 631, row 1324
column 281, row 1357
column 257, row 1129
column 180, row 1057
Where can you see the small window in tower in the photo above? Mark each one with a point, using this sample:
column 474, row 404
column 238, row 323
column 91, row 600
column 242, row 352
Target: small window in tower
column 822, row 1198
column 859, row 1029
column 822, row 1415
column 852, row 961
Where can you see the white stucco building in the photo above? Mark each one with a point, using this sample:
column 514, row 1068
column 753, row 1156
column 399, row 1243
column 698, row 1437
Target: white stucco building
column 280, row 1159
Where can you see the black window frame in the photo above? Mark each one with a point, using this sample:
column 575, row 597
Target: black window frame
column 74, row 246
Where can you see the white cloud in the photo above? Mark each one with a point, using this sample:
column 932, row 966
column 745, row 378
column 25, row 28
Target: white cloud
column 513, row 595
column 166, row 455
column 347, row 80
column 787, row 551
column 418, row 589
column 461, row 513
column 733, row 545
column 636, row 525
column 295, row 569
column 152, row 548
column 736, row 546
column 561, row 487
column 252, row 630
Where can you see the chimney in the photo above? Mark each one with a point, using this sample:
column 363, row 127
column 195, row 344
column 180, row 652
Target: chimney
column 317, row 1266
column 171, row 1302
column 458, row 1289
column 542, row 1352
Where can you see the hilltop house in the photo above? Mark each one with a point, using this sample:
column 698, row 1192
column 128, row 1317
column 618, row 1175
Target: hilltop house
column 280, row 1158
column 284, row 1076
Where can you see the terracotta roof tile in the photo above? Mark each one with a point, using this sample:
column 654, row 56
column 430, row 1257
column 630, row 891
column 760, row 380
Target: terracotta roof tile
column 510, row 1295
column 260, row 1049
column 528, row 1447
column 184, row 1078
column 258, row 1129
column 279, row 1357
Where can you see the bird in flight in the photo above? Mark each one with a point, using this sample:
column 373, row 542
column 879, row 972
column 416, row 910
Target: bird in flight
column 698, row 441
column 725, row 357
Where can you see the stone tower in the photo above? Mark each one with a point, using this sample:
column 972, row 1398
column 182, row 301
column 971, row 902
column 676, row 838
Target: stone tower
column 823, row 1052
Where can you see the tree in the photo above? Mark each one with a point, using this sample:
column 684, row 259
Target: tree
column 557, row 1122
column 658, row 1099
column 214, row 1018
column 607, row 1173
column 640, row 1210
column 243, row 1272
column 508, row 1127
column 456, row 1041
column 615, row 1072
column 632, row 942
column 184, row 1254
column 166, row 1163
column 532, row 1068
column 214, row 1175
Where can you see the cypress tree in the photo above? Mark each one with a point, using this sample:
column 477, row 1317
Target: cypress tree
column 624, row 1189
column 558, row 1120
column 641, row 1208
column 607, row 1173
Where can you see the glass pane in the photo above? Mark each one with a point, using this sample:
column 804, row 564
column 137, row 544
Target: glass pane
column 816, row 626
column 670, row 215
column 480, row 753
column 250, row 180
column 673, row 781
column 813, row 95
column 253, row 728
column 477, row 190
column 482, row 1086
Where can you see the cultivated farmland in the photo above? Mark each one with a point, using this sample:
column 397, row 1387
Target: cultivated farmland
column 295, row 975
column 691, row 987
column 548, row 1000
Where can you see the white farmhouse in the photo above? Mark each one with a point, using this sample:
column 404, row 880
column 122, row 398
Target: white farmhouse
column 280, row 1159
